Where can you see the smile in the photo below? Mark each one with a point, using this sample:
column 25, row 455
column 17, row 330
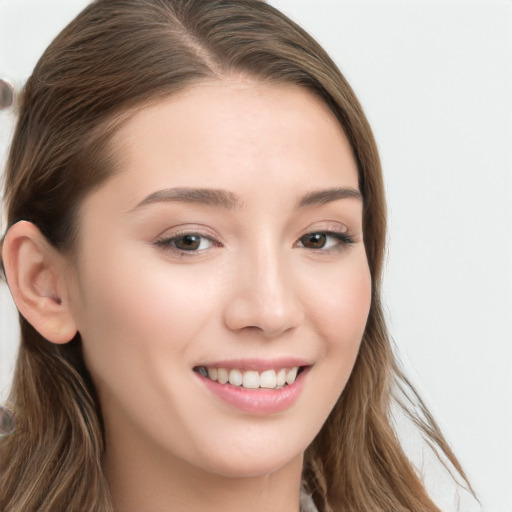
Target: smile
column 251, row 379
column 255, row 387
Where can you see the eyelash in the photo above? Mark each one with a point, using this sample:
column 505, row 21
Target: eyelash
column 343, row 239
column 169, row 243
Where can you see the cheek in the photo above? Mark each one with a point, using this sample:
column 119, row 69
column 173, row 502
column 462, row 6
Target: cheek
column 136, row 316
column 340, row 309
column 339, row 317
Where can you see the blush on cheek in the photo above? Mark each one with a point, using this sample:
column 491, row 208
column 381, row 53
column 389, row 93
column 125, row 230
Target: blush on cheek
column 343, row 309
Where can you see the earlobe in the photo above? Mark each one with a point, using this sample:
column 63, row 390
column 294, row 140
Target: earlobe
column 36, row 276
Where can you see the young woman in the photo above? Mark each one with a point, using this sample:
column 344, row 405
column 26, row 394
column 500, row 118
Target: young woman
column 196, row 234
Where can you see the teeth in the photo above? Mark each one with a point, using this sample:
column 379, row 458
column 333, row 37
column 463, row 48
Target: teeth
column 291, row 375
column 250, row 379
column 222, row 376
column 235, row 377
column 268, row 379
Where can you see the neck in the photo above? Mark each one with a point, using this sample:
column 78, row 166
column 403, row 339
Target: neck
column 142, row 477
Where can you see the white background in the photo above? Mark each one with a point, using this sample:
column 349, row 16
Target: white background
column 435, row 79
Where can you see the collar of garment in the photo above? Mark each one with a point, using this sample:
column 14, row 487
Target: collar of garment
column 306, row 502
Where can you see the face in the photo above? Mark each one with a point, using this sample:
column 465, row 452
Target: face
column 229, row 246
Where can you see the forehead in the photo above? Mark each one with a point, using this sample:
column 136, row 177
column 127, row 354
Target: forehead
column 235, row 134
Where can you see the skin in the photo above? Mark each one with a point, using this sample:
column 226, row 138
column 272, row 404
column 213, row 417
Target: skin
column 148, row 312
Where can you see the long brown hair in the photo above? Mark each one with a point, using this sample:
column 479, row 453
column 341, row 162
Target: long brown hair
column 118, row 55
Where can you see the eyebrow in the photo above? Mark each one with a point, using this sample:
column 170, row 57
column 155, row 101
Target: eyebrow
column 229, row 200
column 209, row 196
column 319, row 197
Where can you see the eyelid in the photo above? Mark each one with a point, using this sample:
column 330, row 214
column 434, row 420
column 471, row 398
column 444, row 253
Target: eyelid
column 188, row 229
column 343, row 236
column 164, row 241
column 326, row 226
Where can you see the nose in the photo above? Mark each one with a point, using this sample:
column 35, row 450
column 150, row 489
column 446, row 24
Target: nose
column 263, row 296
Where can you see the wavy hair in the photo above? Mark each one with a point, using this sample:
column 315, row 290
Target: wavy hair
column 114, row 57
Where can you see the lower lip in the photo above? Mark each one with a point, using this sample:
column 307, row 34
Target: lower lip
column 258, row 401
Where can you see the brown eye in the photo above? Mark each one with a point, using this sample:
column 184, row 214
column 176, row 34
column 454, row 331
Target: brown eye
column 314, row 240
column 188, row 242
column 325, row 240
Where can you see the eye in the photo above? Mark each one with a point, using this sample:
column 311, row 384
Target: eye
column 187, row 242
column 325, row 240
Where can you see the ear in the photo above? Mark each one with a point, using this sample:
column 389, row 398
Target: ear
column 36, row 275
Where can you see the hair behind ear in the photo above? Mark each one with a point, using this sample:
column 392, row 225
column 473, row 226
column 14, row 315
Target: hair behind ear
column 58, row 442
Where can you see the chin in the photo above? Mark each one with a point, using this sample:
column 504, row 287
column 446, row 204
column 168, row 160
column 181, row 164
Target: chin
column 252, row 465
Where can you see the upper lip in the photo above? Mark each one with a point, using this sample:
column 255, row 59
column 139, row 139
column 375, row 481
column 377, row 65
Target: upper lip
column 258, row 365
